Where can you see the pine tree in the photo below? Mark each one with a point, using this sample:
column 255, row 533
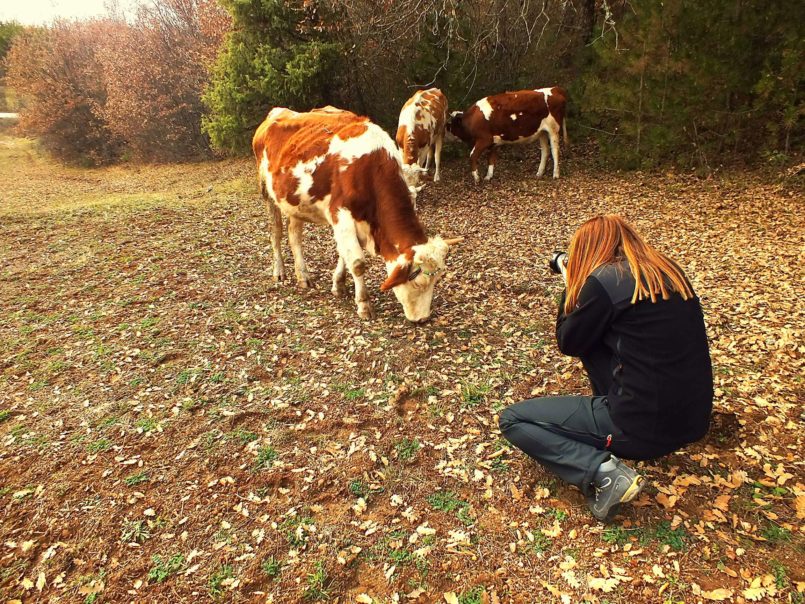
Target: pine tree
column 279, row 53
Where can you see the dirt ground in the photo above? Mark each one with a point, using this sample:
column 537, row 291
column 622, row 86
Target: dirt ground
column 176, row 428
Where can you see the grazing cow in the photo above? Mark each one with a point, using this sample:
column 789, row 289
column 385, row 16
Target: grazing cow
column 333, row 167
column 513, row 117
column 420, row 130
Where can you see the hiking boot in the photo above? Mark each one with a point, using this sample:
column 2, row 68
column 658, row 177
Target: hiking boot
column 615, row 483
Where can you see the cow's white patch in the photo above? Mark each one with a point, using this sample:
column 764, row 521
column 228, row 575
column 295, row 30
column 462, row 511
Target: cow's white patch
column 372, row 140
column 497, row 139
column 265, row 176
column 513, row 116
column 303, row 171
column 408, row 116
column 550, row 125
column 485, row 107
column 475, row 176
column 278, row 111
column 364, row 232
column 546, row 91
column 490, row 170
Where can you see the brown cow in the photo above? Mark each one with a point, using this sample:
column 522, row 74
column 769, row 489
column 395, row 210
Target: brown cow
column 333, row 167
column 420, row 129
column 513, row 117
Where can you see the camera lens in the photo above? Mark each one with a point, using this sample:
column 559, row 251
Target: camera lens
column 558, row 259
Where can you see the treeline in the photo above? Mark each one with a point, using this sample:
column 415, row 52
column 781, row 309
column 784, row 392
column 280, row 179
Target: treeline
column 103, row 90
column 693, row 83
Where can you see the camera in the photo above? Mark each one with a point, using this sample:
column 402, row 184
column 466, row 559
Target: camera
column 558, row 262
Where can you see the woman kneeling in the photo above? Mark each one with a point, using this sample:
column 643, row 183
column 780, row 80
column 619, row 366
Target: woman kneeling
column 631, row 316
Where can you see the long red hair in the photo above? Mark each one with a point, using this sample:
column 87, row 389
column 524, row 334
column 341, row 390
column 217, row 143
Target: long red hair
column 609, row 238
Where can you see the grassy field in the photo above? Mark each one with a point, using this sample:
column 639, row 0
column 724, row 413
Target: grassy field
column 175, row 428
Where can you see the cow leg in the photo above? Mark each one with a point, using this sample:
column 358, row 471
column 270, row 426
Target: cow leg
column 340, row 278
column 555, row 151
column 474, row 155
column 295, row 227
column 428, row 155
column 543, row 153
column 276, row 241
column 437, row 156
column 351, row 253
column 493, row 157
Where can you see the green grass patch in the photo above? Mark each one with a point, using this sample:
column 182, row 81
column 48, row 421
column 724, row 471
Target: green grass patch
column 472, row 596
column 677, row 539
column 266, row 457
column 164, row 568
column 99, row 446
column 271, row 567
column 359, row 488
column 541, row 543
column 146, row 425
column 215, row 584
column 318, row 584
column 473, row 395
column 407, row 448
column 289, row 527
column 775, row 534
column 447, row 501
column 135, row 479
column 134, row 531
column 242, row 436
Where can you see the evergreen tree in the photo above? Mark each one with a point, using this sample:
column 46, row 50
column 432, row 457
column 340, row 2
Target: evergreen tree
column 279, row 52
column 692, row 82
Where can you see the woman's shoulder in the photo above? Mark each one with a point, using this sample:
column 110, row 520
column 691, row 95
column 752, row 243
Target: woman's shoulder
column 616, row 279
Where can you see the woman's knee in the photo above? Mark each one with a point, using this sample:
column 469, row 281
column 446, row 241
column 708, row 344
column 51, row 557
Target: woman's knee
column 506, row 420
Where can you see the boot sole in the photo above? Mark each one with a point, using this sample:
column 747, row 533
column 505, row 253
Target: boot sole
column 633, row 490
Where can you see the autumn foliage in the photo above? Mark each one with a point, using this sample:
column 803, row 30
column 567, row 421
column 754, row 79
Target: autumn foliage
column 99, row 90
column 154, row 73
column 59, row 73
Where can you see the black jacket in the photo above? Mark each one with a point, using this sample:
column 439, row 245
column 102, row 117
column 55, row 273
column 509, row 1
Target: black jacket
column 650, row 360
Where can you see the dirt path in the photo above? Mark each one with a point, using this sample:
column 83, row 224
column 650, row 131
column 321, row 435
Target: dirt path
column 173, row 428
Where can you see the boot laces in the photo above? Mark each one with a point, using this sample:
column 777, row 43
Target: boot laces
column 600, row 487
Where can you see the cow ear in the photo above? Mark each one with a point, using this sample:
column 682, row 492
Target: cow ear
column 397, row 277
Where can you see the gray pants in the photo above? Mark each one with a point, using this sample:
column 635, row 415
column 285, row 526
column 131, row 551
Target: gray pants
column 572, row 436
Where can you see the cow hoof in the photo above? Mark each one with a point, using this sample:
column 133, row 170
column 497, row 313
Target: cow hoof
column 339, row 291
column 436, row 178
column 366, row 312
column 279, row 277
column 304, row 283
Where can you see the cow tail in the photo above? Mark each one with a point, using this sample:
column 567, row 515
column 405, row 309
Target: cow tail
column 564, row 132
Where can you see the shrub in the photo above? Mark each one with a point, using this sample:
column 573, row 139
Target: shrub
column 278, row 53
column 155, row 72
column 57, row 72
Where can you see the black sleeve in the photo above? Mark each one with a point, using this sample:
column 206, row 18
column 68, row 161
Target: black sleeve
column 582, row 329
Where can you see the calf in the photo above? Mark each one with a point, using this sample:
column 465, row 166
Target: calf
column 513, row 117
column 333, row 167
column 420, row 130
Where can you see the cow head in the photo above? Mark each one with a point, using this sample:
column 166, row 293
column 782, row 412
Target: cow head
column 413, row 277
column 412, row 173
column 455, row 125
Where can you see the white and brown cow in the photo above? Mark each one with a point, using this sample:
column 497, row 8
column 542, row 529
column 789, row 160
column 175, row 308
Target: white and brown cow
column 333, row 167
column 420, row 130
column 510, row 118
